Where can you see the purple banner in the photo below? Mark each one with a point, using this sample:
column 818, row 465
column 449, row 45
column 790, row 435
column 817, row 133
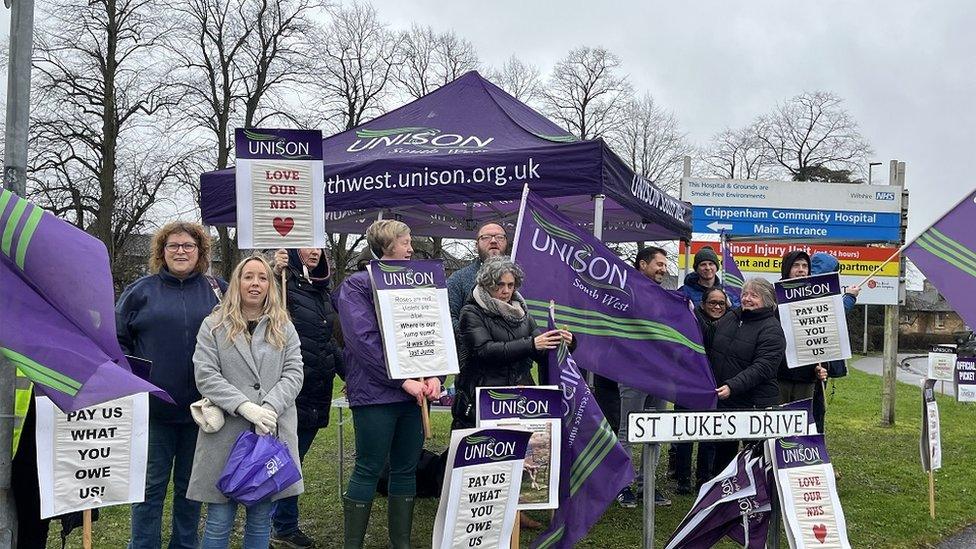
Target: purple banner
column 810, row 287
column 793, row 452
column 406, row 275
column 277, row 144
column 57, row 303
column 491, row 446
column 629, row 329
column 594, row 467
column 732, row 278
column 519, row 402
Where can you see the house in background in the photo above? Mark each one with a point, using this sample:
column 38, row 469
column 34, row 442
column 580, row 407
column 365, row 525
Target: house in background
column 927, row 319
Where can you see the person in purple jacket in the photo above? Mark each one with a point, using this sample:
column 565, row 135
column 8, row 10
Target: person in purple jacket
column 385, row 411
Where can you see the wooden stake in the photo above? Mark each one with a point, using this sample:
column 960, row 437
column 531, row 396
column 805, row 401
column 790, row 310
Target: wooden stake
column 284, row 287
column 517, row 530
column 86, row 535
column 932, row 493
column 425, row 416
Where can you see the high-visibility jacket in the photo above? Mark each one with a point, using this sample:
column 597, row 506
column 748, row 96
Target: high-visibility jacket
column 24, row 387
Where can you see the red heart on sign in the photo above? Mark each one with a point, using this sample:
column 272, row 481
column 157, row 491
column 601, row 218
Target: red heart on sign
column 820, row 532
column 284, row 225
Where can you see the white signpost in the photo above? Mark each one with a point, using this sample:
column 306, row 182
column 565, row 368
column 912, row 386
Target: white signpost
column 94, row 457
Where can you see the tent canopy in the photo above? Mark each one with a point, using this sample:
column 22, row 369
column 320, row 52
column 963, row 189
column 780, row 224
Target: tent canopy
column 460, row 156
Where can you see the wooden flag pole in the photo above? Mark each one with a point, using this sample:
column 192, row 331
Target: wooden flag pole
column 932, row 493
column 879, row 267
column 284, row 287
column 86, row 531
column 516, row 531
column 425, row 415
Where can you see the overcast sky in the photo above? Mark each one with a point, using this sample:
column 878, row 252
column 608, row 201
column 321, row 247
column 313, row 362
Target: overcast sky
column 907, row 70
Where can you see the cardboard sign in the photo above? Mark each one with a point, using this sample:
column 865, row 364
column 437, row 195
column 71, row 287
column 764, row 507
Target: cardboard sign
column 94, row 457
column 942, row 361
column 670, row 426
column 415, row 318
column 280, row 189
column 965, row 376
column 480, row 494
column 764, row 260
column 537, row 410
column 811, row 310
column 930, row 444
column 808, row 493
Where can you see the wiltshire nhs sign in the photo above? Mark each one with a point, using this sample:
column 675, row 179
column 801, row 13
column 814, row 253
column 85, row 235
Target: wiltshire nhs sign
column 842, row 212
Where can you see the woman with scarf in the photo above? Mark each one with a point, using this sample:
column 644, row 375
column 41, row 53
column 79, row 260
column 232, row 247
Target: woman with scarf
column 499, row 339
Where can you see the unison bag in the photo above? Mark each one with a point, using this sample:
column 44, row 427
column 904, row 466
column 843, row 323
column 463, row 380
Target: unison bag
column 258, row 467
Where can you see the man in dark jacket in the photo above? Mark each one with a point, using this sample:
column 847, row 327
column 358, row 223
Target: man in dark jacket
column 797, row 383
column 703, row 276
column 490, row 240
column 310, row 307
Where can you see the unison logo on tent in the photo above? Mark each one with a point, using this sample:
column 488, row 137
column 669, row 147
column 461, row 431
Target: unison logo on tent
column 417, row 137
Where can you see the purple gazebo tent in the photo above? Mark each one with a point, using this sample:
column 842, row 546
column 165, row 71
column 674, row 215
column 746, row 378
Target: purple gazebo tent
column 460, row 155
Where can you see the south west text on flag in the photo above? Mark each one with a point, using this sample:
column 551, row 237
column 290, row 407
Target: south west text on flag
column 629, row 328
column 57, row 302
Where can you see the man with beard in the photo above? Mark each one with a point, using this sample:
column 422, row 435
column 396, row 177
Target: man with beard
column 490, row 241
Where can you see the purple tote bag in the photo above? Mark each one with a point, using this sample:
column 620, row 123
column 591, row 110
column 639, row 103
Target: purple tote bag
column 258, row 467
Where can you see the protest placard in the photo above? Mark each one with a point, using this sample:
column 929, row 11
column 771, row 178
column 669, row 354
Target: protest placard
column 415, row 318
column 537, row 410
column 479, row 497
column 280, row 188
column 942, row 361
column 93, row 457
column 965, row 376
column 930, row 443
column 808, row 492
column 672, row 426
column 811, row 311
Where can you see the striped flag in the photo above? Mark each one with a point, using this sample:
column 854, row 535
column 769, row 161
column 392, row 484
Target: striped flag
column 595, row 467
column 946, row 254
column 731, row 275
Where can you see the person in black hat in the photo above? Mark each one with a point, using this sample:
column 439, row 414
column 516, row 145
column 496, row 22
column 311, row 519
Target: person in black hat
column 797, row 383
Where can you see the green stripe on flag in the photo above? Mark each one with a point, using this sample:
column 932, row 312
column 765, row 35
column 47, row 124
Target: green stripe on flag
column 25, row 236
column 42, row 374
column 8, row 230
column 732, row 280
column 966, row 255
column 553, row 538
column 582, row 470
column 946, row 255
column 589, row 449
column 621, row 332
column 4, row 199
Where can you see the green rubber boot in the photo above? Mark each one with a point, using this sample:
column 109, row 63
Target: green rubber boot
column 356, row 518
column 400, row 521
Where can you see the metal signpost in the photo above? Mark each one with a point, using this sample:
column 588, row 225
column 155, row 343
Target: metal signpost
column 651, row 428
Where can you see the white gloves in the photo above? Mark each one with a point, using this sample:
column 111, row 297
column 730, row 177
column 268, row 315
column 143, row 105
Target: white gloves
column 264, row 419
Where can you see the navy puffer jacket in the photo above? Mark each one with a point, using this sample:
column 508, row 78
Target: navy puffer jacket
column 311, row 311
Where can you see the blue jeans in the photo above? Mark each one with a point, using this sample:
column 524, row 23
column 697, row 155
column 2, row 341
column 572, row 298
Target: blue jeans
column 286, row 509
column 171, row 448
column 220, row 523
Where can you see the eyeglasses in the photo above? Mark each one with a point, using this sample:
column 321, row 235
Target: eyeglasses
column 716, row 303
column 186, row 246
column 491, row 237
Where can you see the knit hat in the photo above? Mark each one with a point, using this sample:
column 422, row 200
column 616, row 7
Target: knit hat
column 705, row 254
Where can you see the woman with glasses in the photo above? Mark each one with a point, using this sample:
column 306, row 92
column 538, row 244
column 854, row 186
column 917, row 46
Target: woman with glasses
column 157, row 318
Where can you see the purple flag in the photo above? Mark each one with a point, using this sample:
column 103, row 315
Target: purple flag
column 595, row 468
column 731, row 275
column 946, row 254
column 629, row 328
column 57, row 303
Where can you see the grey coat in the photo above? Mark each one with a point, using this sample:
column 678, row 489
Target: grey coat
column 231, row 373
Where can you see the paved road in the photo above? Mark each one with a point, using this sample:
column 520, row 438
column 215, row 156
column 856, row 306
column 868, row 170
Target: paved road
column 912, row 369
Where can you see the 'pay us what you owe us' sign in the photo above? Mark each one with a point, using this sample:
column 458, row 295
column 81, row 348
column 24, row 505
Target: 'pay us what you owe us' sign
column 811, row 311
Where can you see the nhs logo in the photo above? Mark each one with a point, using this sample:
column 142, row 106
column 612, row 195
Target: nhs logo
column 884, row 196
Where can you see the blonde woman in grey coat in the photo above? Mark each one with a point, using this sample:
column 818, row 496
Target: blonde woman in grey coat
column 248, row 362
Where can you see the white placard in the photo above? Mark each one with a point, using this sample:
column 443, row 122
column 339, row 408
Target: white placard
column 942, row 363
column 965, row 376
column 811, row 312
column 94, row 457
column 667, row 426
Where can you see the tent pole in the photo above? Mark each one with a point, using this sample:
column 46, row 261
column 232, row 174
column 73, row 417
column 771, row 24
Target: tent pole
column 598, row 233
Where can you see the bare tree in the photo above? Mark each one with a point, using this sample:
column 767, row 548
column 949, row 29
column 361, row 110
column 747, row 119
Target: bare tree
column 104, row 148
column 245, row 55
column 432, row 60
column 738, row 154
column 811, row 135
column 649, row 140
column 586, row 92
column 518, row 78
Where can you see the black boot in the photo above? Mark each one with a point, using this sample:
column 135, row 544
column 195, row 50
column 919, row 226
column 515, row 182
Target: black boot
column 400, row 520
column 356, row 518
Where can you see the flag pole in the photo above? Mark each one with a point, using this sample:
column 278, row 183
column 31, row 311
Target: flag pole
column 425, row 415
column 517, row 529
column 883, row 263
